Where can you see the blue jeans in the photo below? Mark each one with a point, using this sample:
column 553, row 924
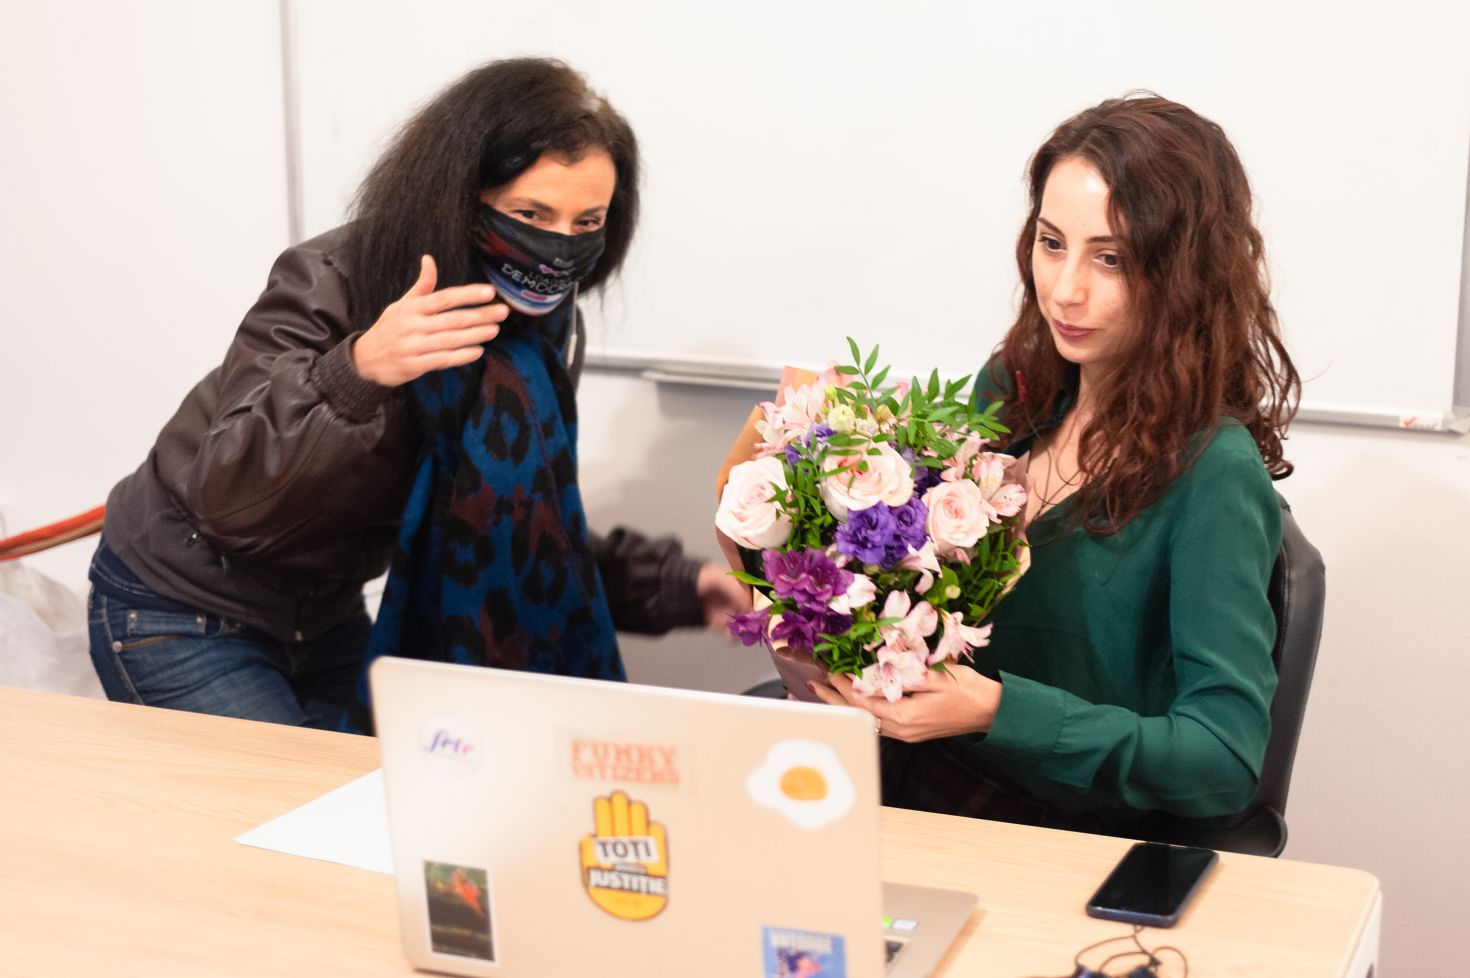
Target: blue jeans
column 200, row 662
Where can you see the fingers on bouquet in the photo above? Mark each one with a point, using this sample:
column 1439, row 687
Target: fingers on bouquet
column 876, row 530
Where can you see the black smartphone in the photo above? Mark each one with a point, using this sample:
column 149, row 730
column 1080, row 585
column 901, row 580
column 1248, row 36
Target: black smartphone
column 1151, row 884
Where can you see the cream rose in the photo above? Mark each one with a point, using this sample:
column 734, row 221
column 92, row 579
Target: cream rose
column 957, row 515
column 888, row 478
column 747, row 514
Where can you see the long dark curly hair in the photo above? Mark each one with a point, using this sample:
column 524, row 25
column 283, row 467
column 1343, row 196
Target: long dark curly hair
column 1208, row 344
column 483, row 131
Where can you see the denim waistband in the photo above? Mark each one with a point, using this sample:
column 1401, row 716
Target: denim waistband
column 115, row 579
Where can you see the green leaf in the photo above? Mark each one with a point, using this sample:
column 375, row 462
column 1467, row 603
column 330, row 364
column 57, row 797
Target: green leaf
column 872, row 361
column 857, row 355
column 882, row 376
column 847, row 371
column 750, row 579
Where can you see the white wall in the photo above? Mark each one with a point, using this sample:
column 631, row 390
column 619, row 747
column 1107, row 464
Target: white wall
column 1380, row 780
column 144, row 197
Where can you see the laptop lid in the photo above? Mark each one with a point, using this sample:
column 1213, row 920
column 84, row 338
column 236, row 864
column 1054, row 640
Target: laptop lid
column 551, row 826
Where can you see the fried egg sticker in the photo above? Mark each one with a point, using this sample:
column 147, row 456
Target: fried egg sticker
column 803, row 780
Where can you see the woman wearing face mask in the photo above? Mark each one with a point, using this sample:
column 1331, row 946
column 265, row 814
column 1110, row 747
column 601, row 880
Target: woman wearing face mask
column 404, row 389
column 1146, row 387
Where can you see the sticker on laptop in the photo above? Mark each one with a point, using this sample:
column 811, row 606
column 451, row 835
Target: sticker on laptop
column 792, row 953
column 625, row 861
column 450, row 745
column 624, row 762
column 459, row 911
column 803, row 780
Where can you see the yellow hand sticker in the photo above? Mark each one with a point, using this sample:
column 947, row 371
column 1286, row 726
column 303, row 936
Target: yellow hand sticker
column 625, row 862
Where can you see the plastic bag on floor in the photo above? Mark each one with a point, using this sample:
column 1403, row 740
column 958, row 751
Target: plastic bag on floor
column 43, row 634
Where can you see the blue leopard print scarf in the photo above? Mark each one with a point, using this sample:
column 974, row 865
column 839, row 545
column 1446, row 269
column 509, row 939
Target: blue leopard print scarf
column 493, row 567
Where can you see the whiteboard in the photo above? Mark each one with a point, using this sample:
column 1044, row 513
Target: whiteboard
column 815, row 170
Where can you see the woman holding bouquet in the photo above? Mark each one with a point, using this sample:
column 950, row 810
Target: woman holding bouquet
column 404, row 388
column 1147, row 391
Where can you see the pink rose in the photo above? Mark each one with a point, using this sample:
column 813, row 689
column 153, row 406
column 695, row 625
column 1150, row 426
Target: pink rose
column 886, row 478
column 748, row 513
column 958, row 516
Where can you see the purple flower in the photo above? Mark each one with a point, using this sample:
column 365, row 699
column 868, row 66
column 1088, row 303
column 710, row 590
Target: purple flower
column 798, row 629
column 750, row 627
column 793, row 455
column 801, row 630
column 925, row 479
column 807, row 577
column 912, row 518
column 868, row 533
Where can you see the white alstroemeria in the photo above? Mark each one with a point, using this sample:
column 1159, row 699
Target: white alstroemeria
column 860, row 592
column 925, row 562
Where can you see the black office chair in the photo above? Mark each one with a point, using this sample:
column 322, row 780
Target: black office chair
column 1297, row 592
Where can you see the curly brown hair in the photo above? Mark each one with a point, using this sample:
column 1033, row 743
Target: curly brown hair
column 1209, row 344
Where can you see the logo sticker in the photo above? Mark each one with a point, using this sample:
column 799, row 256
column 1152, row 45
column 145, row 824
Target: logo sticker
column 625, row 861
column 803, row 780
column 612, row 760
column 451, row 745
column 803, row 954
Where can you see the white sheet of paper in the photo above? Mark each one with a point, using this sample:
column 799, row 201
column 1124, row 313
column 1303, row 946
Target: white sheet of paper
column 347, row 825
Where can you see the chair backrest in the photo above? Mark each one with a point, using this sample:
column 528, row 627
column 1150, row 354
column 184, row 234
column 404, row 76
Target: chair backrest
column 1298, row 593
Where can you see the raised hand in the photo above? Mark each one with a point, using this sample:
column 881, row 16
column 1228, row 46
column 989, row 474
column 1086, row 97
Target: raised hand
column 428, row 330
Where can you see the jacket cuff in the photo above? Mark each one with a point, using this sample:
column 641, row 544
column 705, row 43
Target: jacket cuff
column 680, row 579
column 347, row 392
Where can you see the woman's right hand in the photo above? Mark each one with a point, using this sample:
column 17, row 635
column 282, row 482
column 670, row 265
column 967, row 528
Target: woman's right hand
column 427, row 330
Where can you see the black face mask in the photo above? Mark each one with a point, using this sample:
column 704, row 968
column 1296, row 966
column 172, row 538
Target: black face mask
column 532, row 269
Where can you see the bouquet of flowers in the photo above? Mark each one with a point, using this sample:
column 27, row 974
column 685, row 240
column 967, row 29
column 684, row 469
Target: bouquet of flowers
column 877, row 532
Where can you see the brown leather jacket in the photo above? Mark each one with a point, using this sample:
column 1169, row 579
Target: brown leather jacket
column 275, row 491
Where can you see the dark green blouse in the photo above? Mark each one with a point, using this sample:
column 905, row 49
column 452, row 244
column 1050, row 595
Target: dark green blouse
column 1137, row 667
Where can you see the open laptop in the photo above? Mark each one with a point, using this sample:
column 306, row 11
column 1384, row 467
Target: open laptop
column 545, row 826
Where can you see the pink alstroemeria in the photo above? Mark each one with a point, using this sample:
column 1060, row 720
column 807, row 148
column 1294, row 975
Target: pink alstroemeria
column 1001, row 498
column 925, row 562
column 893, row 673
column 958, row 464
column 800, row 408
column 958, row 638
column 917, row 623
column 860, row 592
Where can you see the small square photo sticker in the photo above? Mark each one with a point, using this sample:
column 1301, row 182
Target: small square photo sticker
column 459, row 910
column 792, row 953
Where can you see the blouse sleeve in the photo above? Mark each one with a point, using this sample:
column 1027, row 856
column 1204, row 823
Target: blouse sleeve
column 1202, row 756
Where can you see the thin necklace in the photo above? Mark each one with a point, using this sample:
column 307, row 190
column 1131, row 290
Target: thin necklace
column 1046, row 496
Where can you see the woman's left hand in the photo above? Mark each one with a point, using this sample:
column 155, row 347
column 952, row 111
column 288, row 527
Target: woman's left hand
column 958, row 700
